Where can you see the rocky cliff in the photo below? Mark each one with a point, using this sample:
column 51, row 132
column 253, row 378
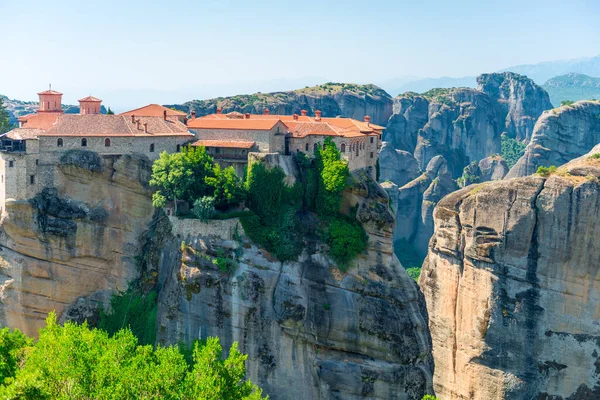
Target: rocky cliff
column 311, row 330
column 511, row 283
column 519, row 101
column 70, row 246
column 333, row 99
column 559, row 136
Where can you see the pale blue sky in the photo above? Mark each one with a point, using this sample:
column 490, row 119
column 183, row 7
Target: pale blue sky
column 199, row 48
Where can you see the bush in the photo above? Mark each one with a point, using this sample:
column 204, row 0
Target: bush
column 512, row 150
column 204, row 208
column 546, row 171
column 12, row 345
column 346, row 239
column 595, row 156
column 414, row 272
column 566, row 103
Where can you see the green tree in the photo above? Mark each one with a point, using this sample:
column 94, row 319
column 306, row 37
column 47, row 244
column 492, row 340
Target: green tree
column 265, row 188
column 333, row 172
column 198, row 167
column 12, row 344
column 204, row 208
column 228, row 189
column 76, row 362
column 110, row 112
column 5, row 124
column 169, row 176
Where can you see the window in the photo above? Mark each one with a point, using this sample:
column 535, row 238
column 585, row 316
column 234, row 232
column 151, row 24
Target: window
column 37, row 162
column 32, row 179
column 11, row 163
column 152, row 148
column 315, row 148
column 343, row 147
column 371, row 139
column 59, row 142
column 178, row 148
column 306, row 148
column 107, row 142
column 357, row 149
column 217, row 150
column 371, row 154
column 84, row 142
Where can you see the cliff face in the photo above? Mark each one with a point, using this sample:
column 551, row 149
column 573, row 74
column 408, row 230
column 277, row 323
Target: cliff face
column 311, row 330
column 69, row 247
column 559, row 136
column 333, row 99
column 511, row 283
column 520, row 102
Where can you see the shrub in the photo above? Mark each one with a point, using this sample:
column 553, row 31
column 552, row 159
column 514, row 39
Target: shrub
column 566, row 103
column 512, row 150
column 204, row 208
column 546, row 171
column 595, row 156
column 414, row 272
column 227, row 186
column 346, row 239
column 224, row 263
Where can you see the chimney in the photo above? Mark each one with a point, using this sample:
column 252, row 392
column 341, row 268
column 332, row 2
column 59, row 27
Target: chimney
column 193, row 114
column 219, row 110
column 165, row 115
column 138, row 124
column 132, row 119
column 247, row 116
column 318, row 115
column 145, row 127
column 303, row 112
column 295, row 117
column 368, row 120
column 266, row 111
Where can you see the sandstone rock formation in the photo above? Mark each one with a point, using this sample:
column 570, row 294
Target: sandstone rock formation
column 511, row 283
column 311, row 330
column 492, row 168
column 397, row 166
column 519, row 100
column 560, row 135
column 74, row 243
column 333, row 99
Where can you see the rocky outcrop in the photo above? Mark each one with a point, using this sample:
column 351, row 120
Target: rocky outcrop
column 413, row 204
column 333, row 99
column 71, row 245
column 492, row 168
column 560, row 135
column 397, row 166
column 511, row 282
column 311, row 331
column 519, row 101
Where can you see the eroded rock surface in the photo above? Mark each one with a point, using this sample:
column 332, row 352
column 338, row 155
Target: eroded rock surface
column 71, row 245
column 560, row 135
column 311, row 330
column 512, row 287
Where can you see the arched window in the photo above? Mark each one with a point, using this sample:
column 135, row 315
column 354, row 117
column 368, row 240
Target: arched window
column 152, row 148
column 343, row 147
column 59, row 142
column 315, row 147
column 357, row 148
column 306, row 148
column 178, row 148
column 107, row 142
column 84, row 142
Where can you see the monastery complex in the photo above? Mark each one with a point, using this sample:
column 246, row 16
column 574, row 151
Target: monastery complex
column 42, row 139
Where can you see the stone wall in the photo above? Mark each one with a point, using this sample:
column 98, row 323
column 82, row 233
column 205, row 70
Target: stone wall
column 222, row 229
column 265, row 141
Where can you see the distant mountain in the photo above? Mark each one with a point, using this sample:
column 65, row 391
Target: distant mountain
column 332, row 99
column 426, row 84
column 541, row 72
column 572, row 87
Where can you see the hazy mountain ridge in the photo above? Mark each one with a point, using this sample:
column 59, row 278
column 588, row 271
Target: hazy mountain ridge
column 573, row 87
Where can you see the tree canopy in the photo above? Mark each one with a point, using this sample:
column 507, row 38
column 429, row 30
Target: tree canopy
column 5, row 124
column 76, row 362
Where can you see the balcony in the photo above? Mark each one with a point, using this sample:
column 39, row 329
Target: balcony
column 12, row 146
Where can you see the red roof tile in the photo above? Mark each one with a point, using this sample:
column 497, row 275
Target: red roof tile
column 224, row 144
column 154, row 110
column 39, row 121
column 90, row 98
column 234, row 124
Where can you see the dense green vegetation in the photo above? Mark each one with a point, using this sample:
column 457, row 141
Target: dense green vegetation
column 512, row 150
column 276, row 224
column 133, row 310
column 408, row 257
column 192, row 174
column 76, row 362
column 414, row 272
column 5, row 124
column 566, row 103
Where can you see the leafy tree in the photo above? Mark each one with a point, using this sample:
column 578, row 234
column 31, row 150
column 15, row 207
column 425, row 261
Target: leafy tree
column 198, row 167
column 333, row 172
column 346, row 239
column 512, row 150
column 204, row 208
column 110, row 112
column 5, row 124
column 75, row 362
column 12, row 344
column 265, row 188
column 169, row 176
column 228, row 189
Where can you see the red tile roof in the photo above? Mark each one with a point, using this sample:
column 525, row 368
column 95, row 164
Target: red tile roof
column 23, row 134
column 49, row 92
column 154, row 110
column 90, row 98
column 224, row 144
column 39, row 121
column 114, row 125
column 234, row 124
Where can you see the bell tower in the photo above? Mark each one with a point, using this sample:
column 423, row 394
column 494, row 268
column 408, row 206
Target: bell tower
column 50, row 101
column 89, row 105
